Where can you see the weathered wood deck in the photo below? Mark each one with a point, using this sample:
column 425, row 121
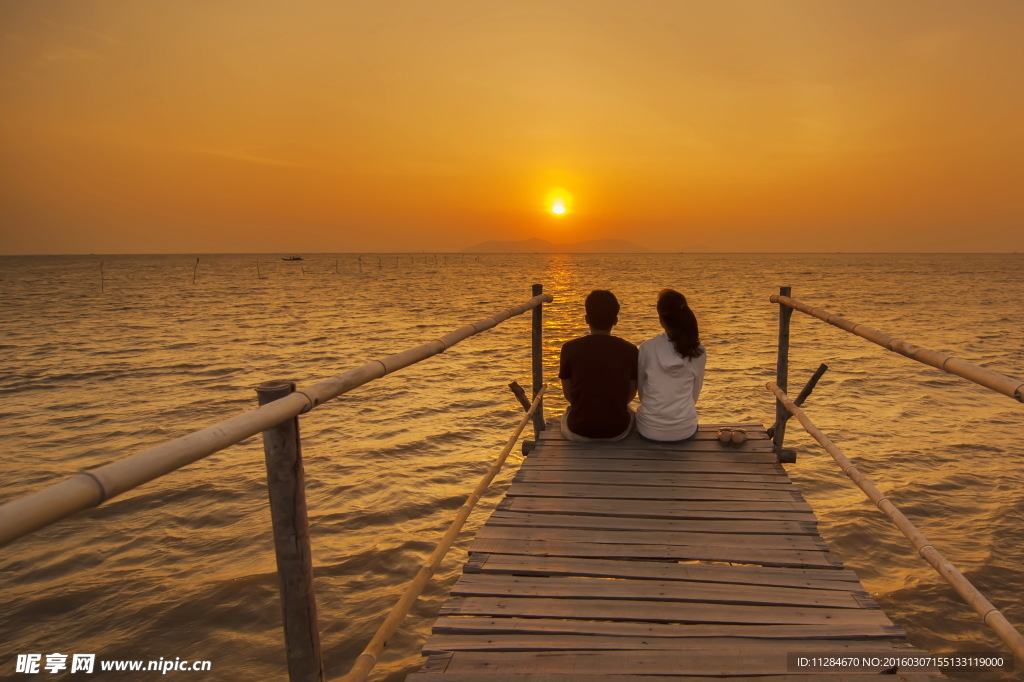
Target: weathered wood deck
column 621, row 561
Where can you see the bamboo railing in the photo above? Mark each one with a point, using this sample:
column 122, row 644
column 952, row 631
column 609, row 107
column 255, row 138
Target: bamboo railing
column 93, row 487
column 368, row 658
column 990, row 615
column 994, row 381
column 999, row 383
column 277, row 418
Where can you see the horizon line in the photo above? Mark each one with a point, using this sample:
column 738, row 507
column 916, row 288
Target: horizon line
column 496, row 253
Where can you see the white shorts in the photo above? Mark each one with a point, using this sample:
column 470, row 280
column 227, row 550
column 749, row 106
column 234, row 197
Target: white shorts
column 583, row 439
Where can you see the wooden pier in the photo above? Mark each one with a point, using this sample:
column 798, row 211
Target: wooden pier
column 632, row 560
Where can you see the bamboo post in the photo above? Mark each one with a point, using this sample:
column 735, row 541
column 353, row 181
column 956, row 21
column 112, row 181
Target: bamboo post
column 782, row 370
column 287, row 488
column 368, row 658
column 102, row 283
column 990, row 615
column 259, row 275
column 537, row 357
column 195, row 268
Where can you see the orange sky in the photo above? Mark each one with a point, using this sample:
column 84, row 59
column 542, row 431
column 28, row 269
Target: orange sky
column 253, row 126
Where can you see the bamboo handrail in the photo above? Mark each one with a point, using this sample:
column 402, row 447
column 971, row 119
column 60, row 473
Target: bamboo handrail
column 368, row 658
column 92, row 487
column 990, row 615
column 999, row 383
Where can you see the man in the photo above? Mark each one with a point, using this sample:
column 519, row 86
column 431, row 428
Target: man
column 598, row 374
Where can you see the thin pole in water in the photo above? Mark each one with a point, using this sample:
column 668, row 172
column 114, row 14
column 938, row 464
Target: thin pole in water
column 259, row 275
column 194, row 271
column 101, row 277
column 335, row 266
column 360, row 263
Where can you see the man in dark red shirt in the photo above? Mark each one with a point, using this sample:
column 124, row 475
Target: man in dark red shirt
column 598, row 374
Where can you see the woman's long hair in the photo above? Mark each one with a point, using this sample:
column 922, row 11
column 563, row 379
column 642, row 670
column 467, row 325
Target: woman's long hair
column 680, row 323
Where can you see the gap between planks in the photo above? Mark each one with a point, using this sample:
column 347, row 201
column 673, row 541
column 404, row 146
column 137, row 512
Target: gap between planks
column 575, row 587
column 824, row 579
column 551, row 626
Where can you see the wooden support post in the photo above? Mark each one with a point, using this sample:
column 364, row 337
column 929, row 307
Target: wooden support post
column 782, row 370
column 520, row 395
column 287, row 486
column 804, row 394
column 809, row 386
column 537, row 353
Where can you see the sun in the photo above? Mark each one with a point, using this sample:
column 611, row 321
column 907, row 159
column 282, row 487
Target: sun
column 559, row 202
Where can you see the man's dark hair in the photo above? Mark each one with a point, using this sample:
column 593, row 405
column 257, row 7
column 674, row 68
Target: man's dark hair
column 602, row 309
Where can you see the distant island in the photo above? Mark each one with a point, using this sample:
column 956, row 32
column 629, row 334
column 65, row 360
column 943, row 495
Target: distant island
column 535, row 245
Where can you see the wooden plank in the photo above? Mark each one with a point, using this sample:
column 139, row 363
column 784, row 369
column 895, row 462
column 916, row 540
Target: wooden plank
column 703, row 442
column 668, row 538
column 481, row 585
column 763, row 456
column 663, row 509
column 740, row 555
column 722, row 662
column 704, row 432
column 827, row 579
column 588, row 569
column 550, row 626
column 688, row 479
column 515, row 641
column 648, row 465
column 634, row 492
column 658, row 612
column 761, row 527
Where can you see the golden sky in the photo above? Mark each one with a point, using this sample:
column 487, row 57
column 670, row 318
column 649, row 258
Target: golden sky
column 303, row 126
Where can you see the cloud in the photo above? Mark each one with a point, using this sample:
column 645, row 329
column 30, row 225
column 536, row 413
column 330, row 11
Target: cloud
column 64, row 53
column 108, row 39
column 245, row 157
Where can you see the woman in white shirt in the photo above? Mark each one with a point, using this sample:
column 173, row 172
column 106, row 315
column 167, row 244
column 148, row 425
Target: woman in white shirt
column 671, row 373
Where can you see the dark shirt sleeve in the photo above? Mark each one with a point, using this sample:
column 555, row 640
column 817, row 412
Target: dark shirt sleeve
column 563, row 362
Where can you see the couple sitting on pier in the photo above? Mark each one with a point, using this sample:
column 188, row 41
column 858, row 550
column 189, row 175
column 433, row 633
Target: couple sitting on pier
column 601, row 374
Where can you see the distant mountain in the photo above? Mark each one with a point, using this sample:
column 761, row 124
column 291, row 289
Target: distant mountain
column 543, row 246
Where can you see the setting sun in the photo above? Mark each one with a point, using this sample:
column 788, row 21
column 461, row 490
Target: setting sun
column 559, row 202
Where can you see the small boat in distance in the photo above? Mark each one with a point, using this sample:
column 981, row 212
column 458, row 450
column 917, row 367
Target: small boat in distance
column 292, row 258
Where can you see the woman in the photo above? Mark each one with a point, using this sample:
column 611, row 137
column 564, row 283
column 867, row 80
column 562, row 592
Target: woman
column 671, row 373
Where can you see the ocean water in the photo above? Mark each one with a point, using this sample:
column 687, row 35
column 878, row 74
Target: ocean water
column 184, row 566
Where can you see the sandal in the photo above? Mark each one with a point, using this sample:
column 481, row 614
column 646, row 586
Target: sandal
column 730, row 436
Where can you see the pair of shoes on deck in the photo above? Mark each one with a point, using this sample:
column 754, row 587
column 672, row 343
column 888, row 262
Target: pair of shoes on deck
column 730, row 436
